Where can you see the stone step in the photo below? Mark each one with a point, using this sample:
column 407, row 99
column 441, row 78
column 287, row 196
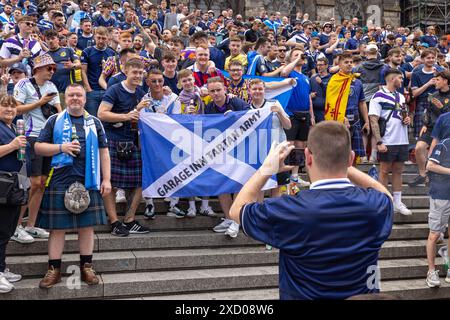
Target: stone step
column 416, row 202
column 139, row 284
column 257, row 294
column 409, row 231
column 104, row 242
column 416, row 289
column 418, row 216
column 401, row 249
column 149, row 283
column 409, row 168
column 129, row 261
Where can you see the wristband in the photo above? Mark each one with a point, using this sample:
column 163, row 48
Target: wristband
column 60, row 148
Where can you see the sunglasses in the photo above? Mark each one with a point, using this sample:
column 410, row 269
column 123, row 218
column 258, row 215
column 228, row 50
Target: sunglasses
column 30, row 24
column 51, row 68
column 281, row 50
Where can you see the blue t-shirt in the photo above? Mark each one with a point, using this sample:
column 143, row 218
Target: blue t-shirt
column 9, row 162
column 233, row 104
column 126, row 26
column 119, row 77
column 353, row 43
column 431, row 40
column 122, row 101
column 63, row 77
column 324, row 39
column 65, row 176
column 172, row 84
column 299, row 101
column 341, row 264
column 100, row 21
column 440, row 183
column 320, row 90
column 441, row 129
column 407, row 67
column 419, row 78
column 95, row 58
column 84, row 42
column 355, row 97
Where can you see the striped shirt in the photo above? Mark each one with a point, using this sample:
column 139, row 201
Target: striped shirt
column 12, row 47
column 301, row 38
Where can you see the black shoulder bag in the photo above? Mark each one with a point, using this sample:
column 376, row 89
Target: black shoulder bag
column 47, row 109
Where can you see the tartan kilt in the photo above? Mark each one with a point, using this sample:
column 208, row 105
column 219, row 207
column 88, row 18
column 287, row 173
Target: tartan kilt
column 54, row 215
column 357, row 140
column 125, row 174
column 421, row 106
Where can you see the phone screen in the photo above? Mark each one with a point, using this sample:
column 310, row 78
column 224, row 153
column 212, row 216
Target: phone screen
column 296, row 158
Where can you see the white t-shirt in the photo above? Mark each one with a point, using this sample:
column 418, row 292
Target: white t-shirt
column 25, row 93
column 277, row 129
column 381, row 105
column 168, row 104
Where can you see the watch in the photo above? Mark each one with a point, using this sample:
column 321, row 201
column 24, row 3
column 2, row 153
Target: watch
column 379, row 143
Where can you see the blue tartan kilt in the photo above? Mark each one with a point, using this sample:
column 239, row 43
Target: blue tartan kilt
column 125, row 174
column 54, row 215
column 421, row 106
column 357, row 139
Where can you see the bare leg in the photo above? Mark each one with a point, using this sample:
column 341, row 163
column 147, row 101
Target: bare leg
column 56, row 243
column 110, row 205
column 385, row 169
column 225, row 203
column 431, row 249
column 421, row 157
column 397, row 169
column 131, row 213
column 86, row 241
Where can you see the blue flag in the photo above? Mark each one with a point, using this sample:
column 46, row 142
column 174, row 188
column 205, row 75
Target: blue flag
column 203, row 155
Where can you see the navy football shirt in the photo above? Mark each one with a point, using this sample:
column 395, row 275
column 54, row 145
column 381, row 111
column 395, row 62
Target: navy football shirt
column 329, row 238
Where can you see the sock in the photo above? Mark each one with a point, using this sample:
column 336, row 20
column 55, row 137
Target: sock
column 397, row 197
column 148, row 201
column 205, row 203
column 85, row 259
column 173, row 202
column 56, row 263
column 192, row 204
column 373, row 155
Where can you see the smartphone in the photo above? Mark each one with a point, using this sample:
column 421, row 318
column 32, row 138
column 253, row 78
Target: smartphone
column 51, row 94
column 296, row 158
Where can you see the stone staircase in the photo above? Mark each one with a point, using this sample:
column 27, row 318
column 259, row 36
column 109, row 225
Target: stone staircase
column 183, row 259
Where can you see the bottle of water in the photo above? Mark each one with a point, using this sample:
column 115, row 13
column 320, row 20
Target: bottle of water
column 20, row 131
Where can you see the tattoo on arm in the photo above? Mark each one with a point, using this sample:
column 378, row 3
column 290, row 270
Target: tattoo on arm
column 375, row 127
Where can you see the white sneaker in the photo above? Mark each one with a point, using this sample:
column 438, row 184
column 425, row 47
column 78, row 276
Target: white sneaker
column 120, row 196
column 233, row 230
column 11, row 277
column 208, row 211
column 5, row 285
column 402, row 209
column 302, row 183
column 408, row 162
column 364, row 160
column 191, row 213
column 223, row 226
column 433, row 279
column 37, row 232
column 21, row 236
column 166, row 199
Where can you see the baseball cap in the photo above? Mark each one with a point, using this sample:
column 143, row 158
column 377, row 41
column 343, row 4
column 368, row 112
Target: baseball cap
column 18, row 66
column 424, row 44
column 372, row 47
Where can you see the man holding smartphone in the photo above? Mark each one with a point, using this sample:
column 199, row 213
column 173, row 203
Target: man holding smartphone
column 351, row 208
column 389, row 104
column 32, row 95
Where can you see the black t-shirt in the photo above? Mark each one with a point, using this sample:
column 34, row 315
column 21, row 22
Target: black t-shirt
column 65, row 176
column 172, row 83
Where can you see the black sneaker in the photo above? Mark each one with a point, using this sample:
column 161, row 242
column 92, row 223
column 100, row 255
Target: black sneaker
column 417, row 180
column 119, row 230
column 149, row 212
column 135, row 228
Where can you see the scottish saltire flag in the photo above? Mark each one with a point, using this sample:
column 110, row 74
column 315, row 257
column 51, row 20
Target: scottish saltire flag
column 282, row 95
column 203, row 155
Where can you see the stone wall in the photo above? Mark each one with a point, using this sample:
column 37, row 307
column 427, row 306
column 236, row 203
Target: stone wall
column 381, row 11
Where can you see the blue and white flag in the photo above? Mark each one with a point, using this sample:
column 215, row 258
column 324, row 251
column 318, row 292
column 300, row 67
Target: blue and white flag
column 282, row 94
column 203, row 155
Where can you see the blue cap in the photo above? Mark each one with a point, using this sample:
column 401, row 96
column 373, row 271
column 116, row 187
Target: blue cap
column 424, row 44
column 18, row 66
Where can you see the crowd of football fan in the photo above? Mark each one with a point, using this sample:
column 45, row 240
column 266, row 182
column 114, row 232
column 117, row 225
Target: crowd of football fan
column 170, row 58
